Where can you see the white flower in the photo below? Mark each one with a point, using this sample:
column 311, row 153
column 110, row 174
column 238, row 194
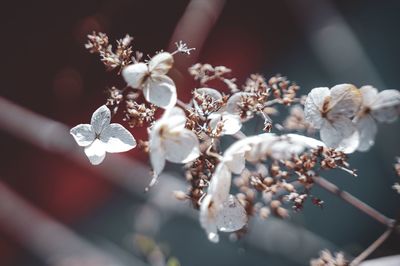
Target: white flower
column 100, row 136
column 170, row 140
column 330, row 111
column 229, row 115
column 157, row 87
column 382, row 107
column 219, row 210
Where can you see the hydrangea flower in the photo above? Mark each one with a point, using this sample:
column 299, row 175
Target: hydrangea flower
column 382, row 107
column 157, row 87
column 170, row 140
column 100, row 136
column 331, row 110
column 219, row 210
column 229, row 115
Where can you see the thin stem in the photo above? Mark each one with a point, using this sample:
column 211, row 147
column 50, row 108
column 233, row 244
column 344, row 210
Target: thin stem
column 332, row 188
column 181, row 104
column 365, row 254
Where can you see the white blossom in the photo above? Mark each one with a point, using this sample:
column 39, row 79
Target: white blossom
column 157, row 87
column 229, row 115
column 170, row 140
column 382, row 107
column 100, row 136
column 331, row 112
column 219, row 210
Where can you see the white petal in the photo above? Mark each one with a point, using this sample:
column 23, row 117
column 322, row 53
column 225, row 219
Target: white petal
column 367, row 129
column 220, row 184
column 100, row 119
column 157, row 152
column 95, row 152
column 135, row 74
column 161, row 63
column 387, row 106
column 182, row 147
column 307, row 142
column 213, row 93
column 369, row 95
column 174, row 118
column 345, row 100
column 231, row 123
column 341, row 134
column 117, row 139
column 235, row 156
column 83, row 134
column 232, row 105
column 232, row 216
column 161, row 91
column 207, row 218
column 261, row 146
column 313, row 105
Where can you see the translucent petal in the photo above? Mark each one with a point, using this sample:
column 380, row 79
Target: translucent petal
column 83, row 134
column 161, row 91
column 261, row 146
column 157, row 152
column 117, row 139
column 213, row 93
column 232, row 216
column 341, row 134
column 207, row 218
column 346, row 100
column 95, row 152
column 100, row 119
column 231, row 123
column 367, row 129
column 174, row 119
column 182, row 147
column 234, row 157
column 387, row 106
column 307, row 142
column 313, row 106
column 220, row 184
column 369, row 95
column 161, row 63
column 232, row 105
column 135, row 74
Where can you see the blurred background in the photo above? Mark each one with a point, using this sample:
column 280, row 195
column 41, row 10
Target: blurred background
column 57, row 209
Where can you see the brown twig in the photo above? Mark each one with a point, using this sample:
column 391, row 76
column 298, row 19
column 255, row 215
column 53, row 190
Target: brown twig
column 332, row 188
column 365, row 254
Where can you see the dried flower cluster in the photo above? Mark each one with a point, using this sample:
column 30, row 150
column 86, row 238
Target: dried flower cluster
column 328, row 259
column 396, row 185
column 112, row 59
column 270, row 173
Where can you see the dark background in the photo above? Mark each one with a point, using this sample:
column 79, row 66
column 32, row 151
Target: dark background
column 45, row 68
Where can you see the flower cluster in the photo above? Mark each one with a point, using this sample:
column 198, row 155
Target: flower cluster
column 112, row 59
column 326, row 258
column 396, row 185
column 264, row 174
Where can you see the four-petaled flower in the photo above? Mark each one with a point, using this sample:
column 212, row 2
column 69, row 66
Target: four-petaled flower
column 331, row 111
column 170, row 140
column 157, row 87
column 382, row 107
column 100, row 136
column 219, row 210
